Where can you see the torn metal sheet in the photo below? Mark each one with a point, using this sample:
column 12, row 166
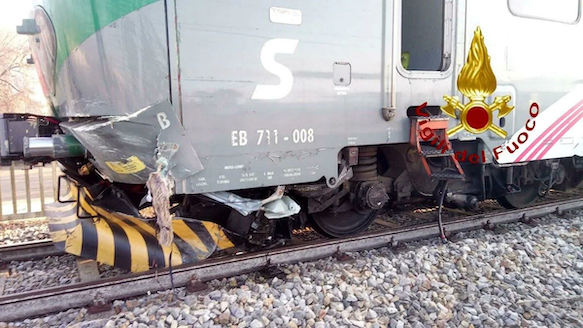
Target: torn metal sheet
column 276, row 206
column 129, row 243
column 281, row 208
column 276, row 195
column 245, row 206
column 127, row 147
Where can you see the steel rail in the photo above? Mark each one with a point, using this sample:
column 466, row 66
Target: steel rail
column 30, row 304
column 29, row 251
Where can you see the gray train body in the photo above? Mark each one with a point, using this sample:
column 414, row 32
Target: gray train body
column 270, row 92
column 328, row 99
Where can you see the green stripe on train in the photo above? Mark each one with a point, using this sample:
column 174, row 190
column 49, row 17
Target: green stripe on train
column 76, row 20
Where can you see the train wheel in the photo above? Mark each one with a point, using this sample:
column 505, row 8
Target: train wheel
column 343, row 224
column 525, row 198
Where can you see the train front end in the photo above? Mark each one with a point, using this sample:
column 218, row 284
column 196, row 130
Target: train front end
column 104, row 69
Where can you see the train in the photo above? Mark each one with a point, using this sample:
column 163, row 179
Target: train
column 234, row 122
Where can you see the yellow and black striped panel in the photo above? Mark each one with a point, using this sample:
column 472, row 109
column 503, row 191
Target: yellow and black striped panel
column 129, row 243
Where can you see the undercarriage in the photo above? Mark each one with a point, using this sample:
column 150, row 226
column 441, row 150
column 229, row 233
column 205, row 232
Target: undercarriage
column 371, row 179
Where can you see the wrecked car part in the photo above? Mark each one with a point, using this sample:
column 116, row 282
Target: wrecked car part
column 262, row 231
column 238, row 223
column 127, row 242
column 469, row 202
column 85, row 169
column 245, row 206
column 275, row 206
column 278, row 194
column 112, row 199
column 281, row 208
column 57, row 146
column 126, row 148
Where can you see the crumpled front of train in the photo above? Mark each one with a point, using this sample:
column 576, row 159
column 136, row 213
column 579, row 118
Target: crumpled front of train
column 129, row 242
column 104, row 67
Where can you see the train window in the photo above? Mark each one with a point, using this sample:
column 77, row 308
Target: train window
column 425, row 38
column 564, row 11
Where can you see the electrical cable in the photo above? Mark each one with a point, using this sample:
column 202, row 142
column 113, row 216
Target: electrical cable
column 441, row 193
column 174, row 291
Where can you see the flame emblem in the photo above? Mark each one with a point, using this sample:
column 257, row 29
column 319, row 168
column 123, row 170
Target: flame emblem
column 477, row 81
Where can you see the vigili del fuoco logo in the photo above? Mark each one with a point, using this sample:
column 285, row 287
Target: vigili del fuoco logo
column 477, row 82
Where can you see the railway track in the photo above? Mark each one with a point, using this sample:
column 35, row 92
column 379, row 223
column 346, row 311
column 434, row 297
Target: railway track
column 28, row 251
column 25, row 305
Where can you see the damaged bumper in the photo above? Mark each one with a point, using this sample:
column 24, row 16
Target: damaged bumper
column 130, row 243
column 126, row 148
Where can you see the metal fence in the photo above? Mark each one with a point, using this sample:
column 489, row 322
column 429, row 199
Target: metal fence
column 24, row 191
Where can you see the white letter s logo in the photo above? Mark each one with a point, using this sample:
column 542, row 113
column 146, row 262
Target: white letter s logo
column 268, row 52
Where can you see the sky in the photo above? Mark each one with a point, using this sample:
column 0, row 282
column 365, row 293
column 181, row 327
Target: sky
column 12, row 12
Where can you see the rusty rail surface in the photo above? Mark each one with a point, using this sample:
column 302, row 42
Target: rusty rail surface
column 25, row 305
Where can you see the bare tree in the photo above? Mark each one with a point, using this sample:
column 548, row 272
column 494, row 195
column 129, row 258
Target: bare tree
column 18, row 80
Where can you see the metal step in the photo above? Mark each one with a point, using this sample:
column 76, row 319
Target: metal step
column 447, row 176
column 431, row 117
column 431, row 151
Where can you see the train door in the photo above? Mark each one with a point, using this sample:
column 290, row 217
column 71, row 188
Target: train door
column 424, row 38
column 270, row 92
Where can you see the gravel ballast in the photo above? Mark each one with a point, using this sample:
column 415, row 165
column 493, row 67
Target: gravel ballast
column 53, row 271
column 19, row 231
column 522, row 276
column 33, row 275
